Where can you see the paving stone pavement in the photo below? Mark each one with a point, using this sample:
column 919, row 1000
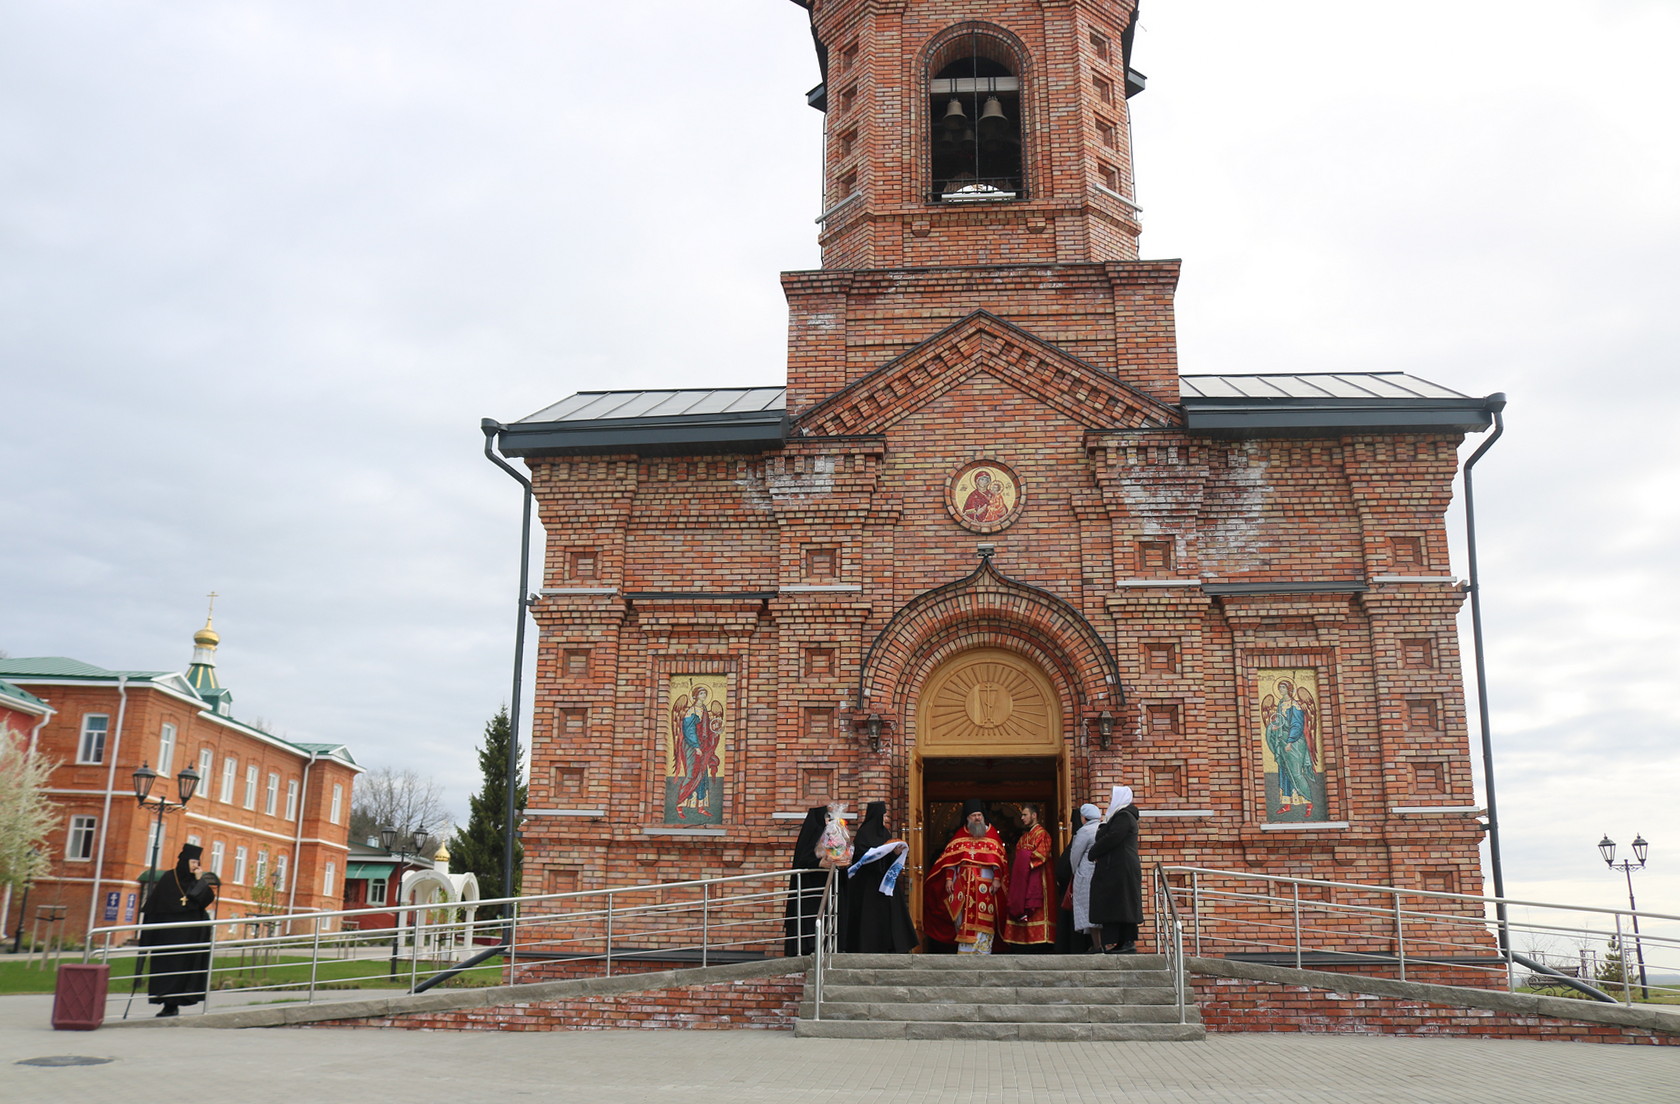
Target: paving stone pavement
column 303, row 1065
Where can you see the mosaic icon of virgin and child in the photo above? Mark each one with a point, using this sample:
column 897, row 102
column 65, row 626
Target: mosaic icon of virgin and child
column 990, row 499
column 1292, row 738
column 693, row 794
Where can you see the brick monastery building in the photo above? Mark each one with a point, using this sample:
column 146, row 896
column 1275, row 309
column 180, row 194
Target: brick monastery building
column 988, row 541
column 273, row 816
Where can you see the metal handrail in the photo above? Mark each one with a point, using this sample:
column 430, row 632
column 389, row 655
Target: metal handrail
column 1173, row 945
column 1401, row 929
column 711, row 916
column 827, row 938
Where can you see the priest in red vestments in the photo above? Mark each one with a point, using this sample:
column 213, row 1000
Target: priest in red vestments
column 967, row 887
column 1028, row 922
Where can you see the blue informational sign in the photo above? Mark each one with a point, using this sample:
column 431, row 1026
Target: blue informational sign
column 113, row 901
column 128, row 909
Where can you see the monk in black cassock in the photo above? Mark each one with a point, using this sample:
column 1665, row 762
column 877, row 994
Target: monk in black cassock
column 876, row 922
column 805, row 887
column 179, row 895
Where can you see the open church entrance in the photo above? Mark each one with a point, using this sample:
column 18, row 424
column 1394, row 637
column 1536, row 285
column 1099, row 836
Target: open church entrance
column 988, row 728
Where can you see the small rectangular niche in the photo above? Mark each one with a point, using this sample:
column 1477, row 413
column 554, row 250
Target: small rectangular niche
column 583, row 563
column 1160, row 657
column 817, row 784
column 1107, row 134
column 1154, row 555
column 1423, row 714
column 575, row 662
column 1101, row 48
column 819, row 662
column 1418, row 652
column 822, row 564
column 819, row 723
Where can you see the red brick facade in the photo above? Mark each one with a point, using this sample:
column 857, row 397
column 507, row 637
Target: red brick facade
column 101, row 845
column 1147, row 576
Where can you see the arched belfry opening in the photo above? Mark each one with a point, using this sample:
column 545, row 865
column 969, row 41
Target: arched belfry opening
column 974, row 116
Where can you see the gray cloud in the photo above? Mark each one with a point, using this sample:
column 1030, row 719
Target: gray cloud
column 265, row 265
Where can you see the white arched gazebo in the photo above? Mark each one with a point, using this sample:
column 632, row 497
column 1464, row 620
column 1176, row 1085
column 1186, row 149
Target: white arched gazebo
column 430, row 904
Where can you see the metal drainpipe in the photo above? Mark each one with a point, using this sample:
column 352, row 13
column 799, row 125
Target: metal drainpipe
column 110, row 782
column 1496, row 406
column 491, row 427
column 296, row 872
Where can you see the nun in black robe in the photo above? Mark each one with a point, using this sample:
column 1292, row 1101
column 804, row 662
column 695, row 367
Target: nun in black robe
column 177, row 977
column 876, row 922
column 805, row 886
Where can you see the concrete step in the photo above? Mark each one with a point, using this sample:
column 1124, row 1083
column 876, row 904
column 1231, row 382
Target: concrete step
column 1003, row 1013
column 1001, row 1032
column 973, row 994
column 1000, row 962
column 1080, row 979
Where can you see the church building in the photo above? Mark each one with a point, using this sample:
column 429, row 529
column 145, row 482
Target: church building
column 988, row 541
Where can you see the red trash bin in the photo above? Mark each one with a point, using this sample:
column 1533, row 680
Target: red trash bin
column 79, row 996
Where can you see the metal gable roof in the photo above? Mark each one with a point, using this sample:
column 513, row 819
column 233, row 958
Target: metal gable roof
column 687, row 420
column 1314, row 385
column 1329, row 402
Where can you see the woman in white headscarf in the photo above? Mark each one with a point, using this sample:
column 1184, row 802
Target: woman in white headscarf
column 1117, row 880
column 1078, row 857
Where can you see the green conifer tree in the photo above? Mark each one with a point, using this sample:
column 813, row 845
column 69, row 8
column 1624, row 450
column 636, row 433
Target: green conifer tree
column 481, row 846
column 1613, row 967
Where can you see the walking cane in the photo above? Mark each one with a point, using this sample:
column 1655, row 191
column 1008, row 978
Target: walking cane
column 139, row 971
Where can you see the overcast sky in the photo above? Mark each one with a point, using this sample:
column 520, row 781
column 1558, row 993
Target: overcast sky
column 264, row 265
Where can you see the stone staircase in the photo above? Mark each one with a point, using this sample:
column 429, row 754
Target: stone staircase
column 1063, row 998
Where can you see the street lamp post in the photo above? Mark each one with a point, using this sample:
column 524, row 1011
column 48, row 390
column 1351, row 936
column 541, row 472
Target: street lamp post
column 186, row 784
column 388, row 840
column 23, row 908
column 1607, row 848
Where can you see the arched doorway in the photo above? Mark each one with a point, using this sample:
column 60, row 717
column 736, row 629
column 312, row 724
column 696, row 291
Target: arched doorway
column 988, row 726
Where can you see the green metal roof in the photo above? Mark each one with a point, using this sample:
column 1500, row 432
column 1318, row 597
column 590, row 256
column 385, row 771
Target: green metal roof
column 19, row 694
column 64, row 667
column 356, row 870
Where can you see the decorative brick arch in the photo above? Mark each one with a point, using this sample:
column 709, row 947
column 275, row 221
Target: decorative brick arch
column 987, row 609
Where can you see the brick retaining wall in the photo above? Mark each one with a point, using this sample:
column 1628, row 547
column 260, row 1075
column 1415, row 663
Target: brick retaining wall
column 1240, row 1004
column 770, row 1003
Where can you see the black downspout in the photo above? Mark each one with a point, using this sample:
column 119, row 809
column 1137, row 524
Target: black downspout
column 491, row 427
column 1496, row 406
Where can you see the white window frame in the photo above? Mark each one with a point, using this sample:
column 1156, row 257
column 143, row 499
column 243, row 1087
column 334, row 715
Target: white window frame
column 329, row 874
column 90, row 749
column 79, row 838
column 271, row 795
column 383, row 887
column 280, row 865
column 291, row 799
column 230, row 776
column 218, row 856
column 251, row 774
column 337, row 803
column 206, row 770
column 240, row 858
column 166, row 750
column 262, row 866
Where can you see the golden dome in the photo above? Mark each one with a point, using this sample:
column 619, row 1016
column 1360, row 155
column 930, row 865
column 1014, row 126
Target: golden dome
column 206, row 637
column 442, row 855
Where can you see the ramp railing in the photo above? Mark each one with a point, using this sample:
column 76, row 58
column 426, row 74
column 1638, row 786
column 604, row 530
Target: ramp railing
column 586, row 933
column 1452, row 938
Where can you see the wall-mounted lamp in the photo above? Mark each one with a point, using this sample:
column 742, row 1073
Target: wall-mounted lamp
column 872, row 729
column 1105, row 728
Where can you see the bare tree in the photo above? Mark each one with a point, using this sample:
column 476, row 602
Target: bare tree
column 400, row 799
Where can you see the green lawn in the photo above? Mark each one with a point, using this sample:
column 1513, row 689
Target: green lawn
column 362, row 973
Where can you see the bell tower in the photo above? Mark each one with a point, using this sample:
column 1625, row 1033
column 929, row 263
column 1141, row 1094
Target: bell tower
column 977, row 159
column 983, row 132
